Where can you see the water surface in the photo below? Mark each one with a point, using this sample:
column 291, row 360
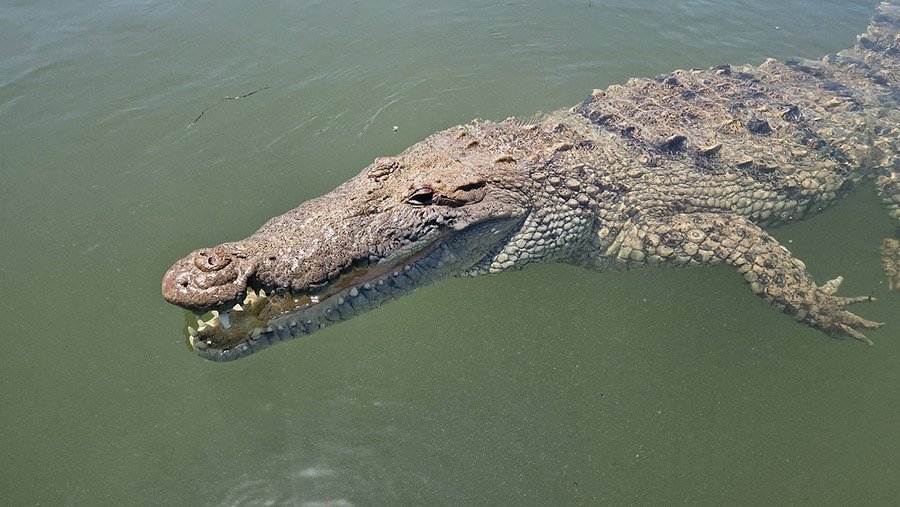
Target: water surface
column 547, row 386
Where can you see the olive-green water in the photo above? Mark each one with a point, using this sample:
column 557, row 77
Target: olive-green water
column 547, row 386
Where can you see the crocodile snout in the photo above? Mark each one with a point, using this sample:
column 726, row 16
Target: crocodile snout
column 207, row 278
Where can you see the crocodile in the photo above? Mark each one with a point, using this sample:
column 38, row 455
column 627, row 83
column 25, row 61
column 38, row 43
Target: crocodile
column 684, row 169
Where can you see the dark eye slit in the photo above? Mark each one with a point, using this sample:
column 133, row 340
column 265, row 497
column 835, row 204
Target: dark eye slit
column 422, row 196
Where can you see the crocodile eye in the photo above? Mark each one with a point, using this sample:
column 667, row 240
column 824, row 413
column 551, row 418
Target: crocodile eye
column 421, row 197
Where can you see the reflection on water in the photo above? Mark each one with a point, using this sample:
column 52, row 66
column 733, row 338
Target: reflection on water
column 301, row 487
column 549, row 386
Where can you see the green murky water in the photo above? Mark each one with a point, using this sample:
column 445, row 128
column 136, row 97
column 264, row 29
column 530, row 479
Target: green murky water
column 548, row 386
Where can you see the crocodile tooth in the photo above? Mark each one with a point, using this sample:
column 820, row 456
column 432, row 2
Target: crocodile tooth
column 237, row 308
column 314, row 299
column 192, row 332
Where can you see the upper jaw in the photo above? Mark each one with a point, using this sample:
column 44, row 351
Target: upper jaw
column 279, row 284
column 269, row 313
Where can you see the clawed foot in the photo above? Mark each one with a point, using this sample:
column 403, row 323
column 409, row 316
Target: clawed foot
column 833, row 317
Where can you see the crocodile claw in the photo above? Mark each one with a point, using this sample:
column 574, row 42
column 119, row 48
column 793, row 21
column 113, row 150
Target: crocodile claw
column 842, row 321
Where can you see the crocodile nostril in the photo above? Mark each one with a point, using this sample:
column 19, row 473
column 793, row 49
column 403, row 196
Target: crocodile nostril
column 206, row 260
column 182, row 280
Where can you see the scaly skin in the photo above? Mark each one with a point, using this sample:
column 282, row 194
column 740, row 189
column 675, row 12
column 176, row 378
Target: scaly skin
column 680, row 170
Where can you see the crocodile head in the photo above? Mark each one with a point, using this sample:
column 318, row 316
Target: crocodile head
column 442, row 207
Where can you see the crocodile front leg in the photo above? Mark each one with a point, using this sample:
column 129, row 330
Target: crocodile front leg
column 771, row 270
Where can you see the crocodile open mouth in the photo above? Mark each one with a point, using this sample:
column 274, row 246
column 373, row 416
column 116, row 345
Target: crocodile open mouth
column 269, row 315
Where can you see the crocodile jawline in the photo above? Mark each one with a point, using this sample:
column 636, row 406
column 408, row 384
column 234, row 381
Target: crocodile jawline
column 269, row 315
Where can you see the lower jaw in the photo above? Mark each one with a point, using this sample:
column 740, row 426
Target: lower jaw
column 340, row 306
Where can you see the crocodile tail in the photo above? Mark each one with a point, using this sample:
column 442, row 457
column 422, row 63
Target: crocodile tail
column 872, row 65
column 885, row 32
column 878, row 50
column 877, row 54
column 879, row 47
column 882, row 32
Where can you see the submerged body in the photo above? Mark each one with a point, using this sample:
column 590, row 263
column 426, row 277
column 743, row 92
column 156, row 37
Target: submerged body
column 683, row 169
